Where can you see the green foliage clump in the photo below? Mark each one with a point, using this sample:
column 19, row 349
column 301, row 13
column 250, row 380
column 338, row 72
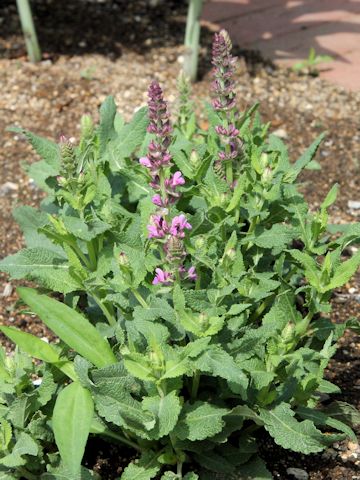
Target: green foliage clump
column 191, row 318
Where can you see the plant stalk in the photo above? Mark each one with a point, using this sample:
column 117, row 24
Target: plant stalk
column 139, row 298
column 192, row 37
column 28, row 28
column 195, row 385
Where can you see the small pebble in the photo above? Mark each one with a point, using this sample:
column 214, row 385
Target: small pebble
column 8, row 289
column 297, row 473
column 280, row 132
column 354, row 204
column 8, row 187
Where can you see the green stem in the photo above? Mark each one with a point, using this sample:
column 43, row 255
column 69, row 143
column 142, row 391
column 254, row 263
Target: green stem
column 29, row 476
column 92, row 255
column 229, row 172
column 105, row 309
column 122, row 439
column 195, row 385
column 179, row 469
column 139, row 298
column 198, row 279
column 27, row 25
column 80, row 254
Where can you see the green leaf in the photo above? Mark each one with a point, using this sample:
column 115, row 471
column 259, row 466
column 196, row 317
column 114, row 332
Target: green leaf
column 321, row 418
column 74, row 329
column 37, row 348
column 287, row 432
column 312, row 272
column 139, row 366
column 25, row 445
column 40, row 172
column 199, row 421
column 30, row 220
column 85, row 230
column 279, row 235
column 166, row 410
column 344, row 272
column 112, row 387
column 106, row 128
column 344, row 412
column 305, row 158
column 145, row 468
column 129, row 138
column 47, row 267
column 46, row 149
column 254, row 470
column 72, row 417
column 5, row 434
column 216, row 186
column 219, row 363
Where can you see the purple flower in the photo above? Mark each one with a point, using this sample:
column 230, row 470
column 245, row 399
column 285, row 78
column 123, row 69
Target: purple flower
column 230, row 132
column 158, row 228
column 157, row 200
column 178, row 225
column 146, row 162
column 191, row 274
column 175, row 180
column 162, row 277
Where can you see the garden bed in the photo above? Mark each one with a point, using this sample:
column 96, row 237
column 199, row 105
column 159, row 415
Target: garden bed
column 76, row 75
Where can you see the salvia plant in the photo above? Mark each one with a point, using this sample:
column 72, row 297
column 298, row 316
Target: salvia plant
column 192, row 296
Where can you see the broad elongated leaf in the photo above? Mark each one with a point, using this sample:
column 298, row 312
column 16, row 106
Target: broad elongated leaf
column 107, row 116
column 219, row 363
column 321, row 418
column 344, row 272
column 128, row 139
column 278, row 235
column 289, row 433
column 30, row 219
column 85, row 230
column 46, row 149
column 312, row 272
column 166, row 410
column 72, row 417
column 74, row 329
column 199, row 421
column 47, row 267
column 39, row 349
column 305, row 159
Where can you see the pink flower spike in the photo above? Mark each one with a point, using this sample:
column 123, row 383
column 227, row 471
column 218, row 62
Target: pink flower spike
column 162, row 277
column 192, row 273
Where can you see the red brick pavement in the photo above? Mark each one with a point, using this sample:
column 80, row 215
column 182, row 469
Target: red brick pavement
column 284, row 30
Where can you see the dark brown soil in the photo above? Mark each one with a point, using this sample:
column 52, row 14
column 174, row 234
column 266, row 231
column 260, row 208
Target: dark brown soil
column 95, row 48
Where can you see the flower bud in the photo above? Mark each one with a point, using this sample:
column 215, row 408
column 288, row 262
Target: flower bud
column 203, row 321
column 194, row 158
column 87, row 127
column 230, row 253
column 267, row 175
column 175, row 251
column 199, row 242
column 264, row 160
column 287, row 334
column 123, row 259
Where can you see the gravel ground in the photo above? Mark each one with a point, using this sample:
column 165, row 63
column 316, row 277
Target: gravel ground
column 95, row 48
